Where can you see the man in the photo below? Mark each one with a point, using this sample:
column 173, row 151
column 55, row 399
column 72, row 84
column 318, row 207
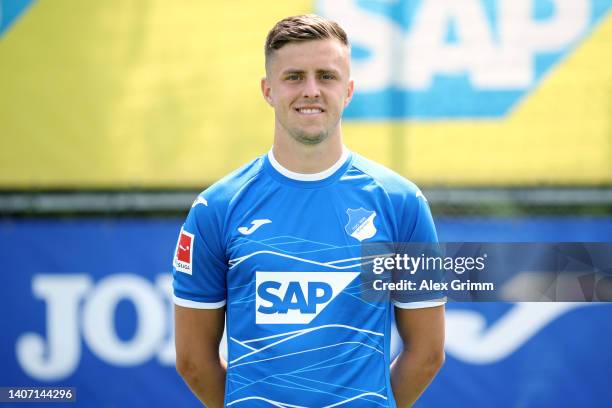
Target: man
column 276, row 245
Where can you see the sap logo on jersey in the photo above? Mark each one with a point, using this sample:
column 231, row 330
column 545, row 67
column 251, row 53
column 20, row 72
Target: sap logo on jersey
column 296, row 297
column 429, row 59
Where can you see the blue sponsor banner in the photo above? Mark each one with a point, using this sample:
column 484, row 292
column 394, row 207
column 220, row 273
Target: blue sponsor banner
column 427, row 59
column 525, row 354
column 86, row 304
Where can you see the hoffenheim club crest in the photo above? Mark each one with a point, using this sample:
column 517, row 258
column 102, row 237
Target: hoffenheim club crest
column 360, row 223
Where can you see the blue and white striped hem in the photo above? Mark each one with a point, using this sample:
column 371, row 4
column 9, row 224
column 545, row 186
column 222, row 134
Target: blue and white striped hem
column 421, row 304
column 197, row 305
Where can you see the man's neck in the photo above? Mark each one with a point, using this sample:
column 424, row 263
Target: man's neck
column 307, row 159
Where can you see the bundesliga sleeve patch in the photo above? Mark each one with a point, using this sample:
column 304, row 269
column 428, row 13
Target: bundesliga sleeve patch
column 183, row 255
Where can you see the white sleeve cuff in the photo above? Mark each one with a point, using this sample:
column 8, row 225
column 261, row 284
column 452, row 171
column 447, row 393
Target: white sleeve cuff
column 197, row 305
column 420, row 305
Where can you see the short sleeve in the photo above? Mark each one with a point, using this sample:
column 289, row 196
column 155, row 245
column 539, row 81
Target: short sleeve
column 417, row 225
column 417, row 217
column 199, row 266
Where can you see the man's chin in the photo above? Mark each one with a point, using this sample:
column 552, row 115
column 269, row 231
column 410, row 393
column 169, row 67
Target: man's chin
column 310, row 138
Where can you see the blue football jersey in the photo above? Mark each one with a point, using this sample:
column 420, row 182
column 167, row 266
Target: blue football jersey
column 282, row 251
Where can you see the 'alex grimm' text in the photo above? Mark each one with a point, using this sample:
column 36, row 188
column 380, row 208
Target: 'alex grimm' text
column 431, row 285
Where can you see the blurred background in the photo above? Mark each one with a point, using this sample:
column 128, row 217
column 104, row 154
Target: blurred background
column 115, row 114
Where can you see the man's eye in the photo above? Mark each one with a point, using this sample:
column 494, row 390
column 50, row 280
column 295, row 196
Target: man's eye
column 293, row 77
column 328, row 76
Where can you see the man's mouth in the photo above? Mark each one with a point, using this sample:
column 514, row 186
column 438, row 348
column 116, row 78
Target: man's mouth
column 309, row 110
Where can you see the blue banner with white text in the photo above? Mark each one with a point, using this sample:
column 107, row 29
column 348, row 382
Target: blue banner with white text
column 87, row 304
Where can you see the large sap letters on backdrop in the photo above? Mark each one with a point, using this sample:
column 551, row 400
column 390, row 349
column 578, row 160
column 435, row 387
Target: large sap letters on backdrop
column 487, row 54
column 447, row 92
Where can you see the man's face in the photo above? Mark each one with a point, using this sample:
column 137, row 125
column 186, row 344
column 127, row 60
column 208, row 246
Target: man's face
column 308, row 86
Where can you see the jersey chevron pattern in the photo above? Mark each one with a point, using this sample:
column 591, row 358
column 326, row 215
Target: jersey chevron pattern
column 282, row 251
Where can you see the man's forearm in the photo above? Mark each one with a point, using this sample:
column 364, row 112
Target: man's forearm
column 411, row 373
column 207, row 381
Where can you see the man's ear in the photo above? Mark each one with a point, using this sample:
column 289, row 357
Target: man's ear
column 349, row 92
column 266, row 90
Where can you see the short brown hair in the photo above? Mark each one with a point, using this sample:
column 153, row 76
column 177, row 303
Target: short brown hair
column 305, row 27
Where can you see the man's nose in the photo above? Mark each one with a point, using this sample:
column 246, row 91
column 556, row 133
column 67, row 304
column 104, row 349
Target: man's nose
column 311, row 88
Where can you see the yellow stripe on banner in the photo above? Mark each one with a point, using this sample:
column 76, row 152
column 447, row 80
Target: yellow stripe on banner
column 143, row 93
column 150, row 94
column 560, row 134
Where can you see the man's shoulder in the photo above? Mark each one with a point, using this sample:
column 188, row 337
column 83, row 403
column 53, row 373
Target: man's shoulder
column 222, row 193
column 391, row 182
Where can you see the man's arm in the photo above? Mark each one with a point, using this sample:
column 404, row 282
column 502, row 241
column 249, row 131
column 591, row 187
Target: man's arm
column 422, row 331
column 198, row 333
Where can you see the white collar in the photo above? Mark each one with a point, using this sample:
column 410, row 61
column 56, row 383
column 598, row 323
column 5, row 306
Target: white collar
column 309, row 176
